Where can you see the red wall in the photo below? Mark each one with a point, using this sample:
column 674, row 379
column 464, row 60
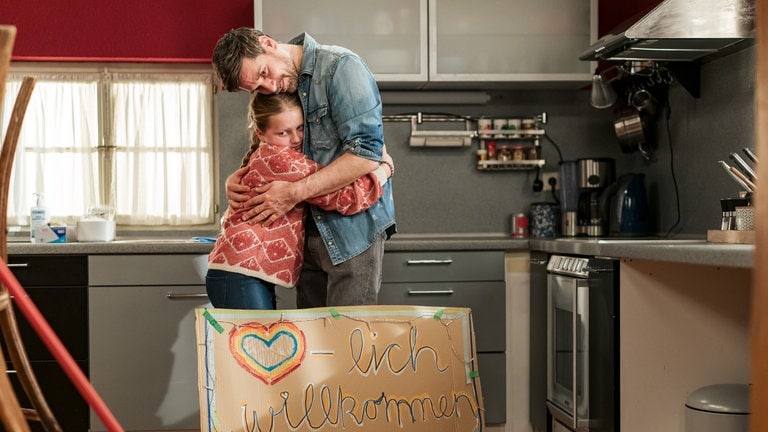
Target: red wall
column 611, row 13
column 158, row 30
column 122, row 30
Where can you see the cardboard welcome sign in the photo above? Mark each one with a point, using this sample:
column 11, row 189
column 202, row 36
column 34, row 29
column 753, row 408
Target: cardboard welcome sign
column 357, row 368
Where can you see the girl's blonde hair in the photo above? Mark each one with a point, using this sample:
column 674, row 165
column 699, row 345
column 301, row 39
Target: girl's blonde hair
column 260, row 111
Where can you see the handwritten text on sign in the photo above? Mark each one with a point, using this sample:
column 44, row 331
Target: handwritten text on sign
column 381, row 368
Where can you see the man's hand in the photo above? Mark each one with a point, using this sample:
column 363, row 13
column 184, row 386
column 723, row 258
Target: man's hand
column 271, row 201
column 238, row 194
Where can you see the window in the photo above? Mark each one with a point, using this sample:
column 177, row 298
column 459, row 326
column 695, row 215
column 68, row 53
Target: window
column 139, row 141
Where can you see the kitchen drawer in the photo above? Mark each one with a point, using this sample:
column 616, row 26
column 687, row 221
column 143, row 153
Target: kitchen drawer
column 49, row 270
column 486, row 299
column 142, row 270
column 437, row 266
column 66, row 311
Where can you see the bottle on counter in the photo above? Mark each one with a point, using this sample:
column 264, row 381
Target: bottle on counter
column 38, row 216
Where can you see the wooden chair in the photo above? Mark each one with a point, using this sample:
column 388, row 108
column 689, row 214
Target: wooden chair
column 13, row 416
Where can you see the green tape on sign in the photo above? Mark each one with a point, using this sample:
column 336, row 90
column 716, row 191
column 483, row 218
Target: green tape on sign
column 439, row 314
column 474, row 374
column 215, row 324
column 335, row 313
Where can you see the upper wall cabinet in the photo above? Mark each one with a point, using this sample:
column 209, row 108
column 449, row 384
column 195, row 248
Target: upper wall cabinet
column 448, row 43
column 391, row 36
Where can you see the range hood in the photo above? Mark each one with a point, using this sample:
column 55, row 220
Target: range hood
column 680, row 30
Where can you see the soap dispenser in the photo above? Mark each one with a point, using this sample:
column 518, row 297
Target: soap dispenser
column 38, row 216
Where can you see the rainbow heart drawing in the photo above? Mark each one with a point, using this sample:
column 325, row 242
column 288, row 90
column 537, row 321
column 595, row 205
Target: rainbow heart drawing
column 268, row 352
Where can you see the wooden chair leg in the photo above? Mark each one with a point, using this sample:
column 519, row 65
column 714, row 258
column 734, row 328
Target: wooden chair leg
column 18, row 356
column 41, row 411
column 10, row 412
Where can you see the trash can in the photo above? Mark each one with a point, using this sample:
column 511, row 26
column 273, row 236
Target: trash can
column 718, row 408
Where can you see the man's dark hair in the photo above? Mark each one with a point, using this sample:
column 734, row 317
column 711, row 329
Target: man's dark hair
column 230, row 51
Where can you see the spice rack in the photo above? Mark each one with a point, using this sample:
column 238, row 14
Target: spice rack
column 507, row 146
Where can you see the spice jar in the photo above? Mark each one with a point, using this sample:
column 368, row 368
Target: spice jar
column 528, row 124
column 533, row 153
column 518, row 153
column 491, row 148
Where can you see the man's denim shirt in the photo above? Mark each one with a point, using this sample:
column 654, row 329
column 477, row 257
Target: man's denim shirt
column 342, row 113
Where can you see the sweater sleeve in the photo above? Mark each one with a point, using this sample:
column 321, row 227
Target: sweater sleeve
column 352, row 198
column 270, row 163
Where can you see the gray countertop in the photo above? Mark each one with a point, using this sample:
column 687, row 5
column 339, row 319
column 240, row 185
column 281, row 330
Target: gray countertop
column 692, row 251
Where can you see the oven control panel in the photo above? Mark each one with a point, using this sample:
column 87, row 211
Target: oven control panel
column 568, row 265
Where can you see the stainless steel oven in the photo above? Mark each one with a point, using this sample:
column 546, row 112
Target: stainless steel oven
column 582, row 348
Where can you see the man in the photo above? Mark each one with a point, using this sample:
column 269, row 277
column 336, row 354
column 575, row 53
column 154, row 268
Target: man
column 343, row 131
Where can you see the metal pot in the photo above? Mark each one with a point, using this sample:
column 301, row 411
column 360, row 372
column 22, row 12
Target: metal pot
column 631, row 130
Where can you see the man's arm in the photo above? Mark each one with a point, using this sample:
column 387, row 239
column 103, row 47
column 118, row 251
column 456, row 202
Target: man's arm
column 276, row 198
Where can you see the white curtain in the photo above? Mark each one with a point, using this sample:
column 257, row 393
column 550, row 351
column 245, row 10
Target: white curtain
column 142, row 143
column 162, row 132
column 56, row 152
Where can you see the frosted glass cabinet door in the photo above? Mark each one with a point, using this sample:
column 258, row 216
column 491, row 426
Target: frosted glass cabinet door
column 389, row 35
column 502, row 40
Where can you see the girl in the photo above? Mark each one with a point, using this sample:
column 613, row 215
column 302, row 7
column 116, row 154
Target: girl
column 248, row 260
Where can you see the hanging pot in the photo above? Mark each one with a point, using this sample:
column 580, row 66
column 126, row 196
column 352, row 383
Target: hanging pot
column 631, row 130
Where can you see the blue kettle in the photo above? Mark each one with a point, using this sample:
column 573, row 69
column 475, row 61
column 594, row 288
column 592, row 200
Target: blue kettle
column 628, row 206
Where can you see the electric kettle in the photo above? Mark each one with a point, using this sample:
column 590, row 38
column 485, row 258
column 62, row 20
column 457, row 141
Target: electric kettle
column 627, row 206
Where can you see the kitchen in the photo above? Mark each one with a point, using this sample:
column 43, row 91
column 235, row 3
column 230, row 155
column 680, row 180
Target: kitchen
column 703, row 130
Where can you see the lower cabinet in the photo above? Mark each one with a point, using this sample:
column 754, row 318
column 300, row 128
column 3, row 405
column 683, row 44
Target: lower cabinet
column 470, row 279
column 57, row 285
column 142, row 339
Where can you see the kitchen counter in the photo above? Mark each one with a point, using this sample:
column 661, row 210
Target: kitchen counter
column 153, row 245
column 688, row 251
column 691, row 251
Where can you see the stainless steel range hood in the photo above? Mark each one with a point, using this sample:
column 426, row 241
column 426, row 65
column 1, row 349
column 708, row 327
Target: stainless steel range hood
column 680, row 30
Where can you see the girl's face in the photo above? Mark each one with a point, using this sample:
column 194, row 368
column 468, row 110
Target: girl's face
column 284, row 129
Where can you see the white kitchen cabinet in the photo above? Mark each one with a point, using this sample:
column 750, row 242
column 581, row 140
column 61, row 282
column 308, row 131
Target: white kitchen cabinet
column 391, row 36
column 447, row 43
column 520, row 40
column 142, row 342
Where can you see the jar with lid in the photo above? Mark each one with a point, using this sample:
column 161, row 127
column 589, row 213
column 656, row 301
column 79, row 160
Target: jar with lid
column 491, row 150
column 528, row 124
column 518, row 152
column 533, row 153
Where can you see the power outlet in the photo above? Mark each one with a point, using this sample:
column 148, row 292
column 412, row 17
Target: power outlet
column 550, row 175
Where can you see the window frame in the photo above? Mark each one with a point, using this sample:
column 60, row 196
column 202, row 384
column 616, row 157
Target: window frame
column 104, row 133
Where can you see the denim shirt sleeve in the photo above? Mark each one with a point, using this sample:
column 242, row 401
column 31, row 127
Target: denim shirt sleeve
column 355, row 107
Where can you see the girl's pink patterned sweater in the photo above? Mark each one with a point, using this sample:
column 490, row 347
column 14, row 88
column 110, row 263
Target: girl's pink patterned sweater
column 275, row 253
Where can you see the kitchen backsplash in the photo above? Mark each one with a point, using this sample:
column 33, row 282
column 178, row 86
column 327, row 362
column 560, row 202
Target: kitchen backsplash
column 440, row 190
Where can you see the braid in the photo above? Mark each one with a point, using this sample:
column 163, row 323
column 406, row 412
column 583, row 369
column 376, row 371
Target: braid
column 247, row 157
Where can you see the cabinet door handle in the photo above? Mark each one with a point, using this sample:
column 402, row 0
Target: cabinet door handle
column 430, row 292
column 18, row 264
column 181, row 296
column 538, row 261
column 430, row 261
